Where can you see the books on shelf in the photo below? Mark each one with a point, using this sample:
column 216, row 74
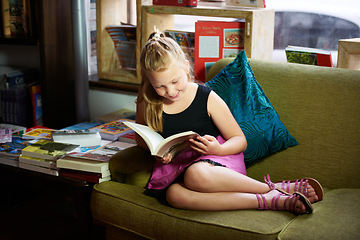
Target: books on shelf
column 124, row 38
column 118, row 114
column 38, row 133
column 36, row 101
column 47, row 149
column 186, row 40
column 83, row 138
column 215, row 40
column 114, row 129
column 159, row 146
column 311, row 56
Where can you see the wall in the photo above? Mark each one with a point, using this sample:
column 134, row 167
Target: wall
column 103, row 102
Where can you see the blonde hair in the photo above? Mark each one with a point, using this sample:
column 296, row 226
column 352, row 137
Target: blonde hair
column 157, row 55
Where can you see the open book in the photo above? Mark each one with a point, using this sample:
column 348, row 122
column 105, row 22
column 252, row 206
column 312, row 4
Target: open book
column 157, row 144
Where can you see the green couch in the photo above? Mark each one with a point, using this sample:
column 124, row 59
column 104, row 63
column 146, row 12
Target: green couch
column 320, row 106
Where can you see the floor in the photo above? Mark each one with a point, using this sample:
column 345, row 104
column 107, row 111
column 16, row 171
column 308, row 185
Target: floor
column 36, row 214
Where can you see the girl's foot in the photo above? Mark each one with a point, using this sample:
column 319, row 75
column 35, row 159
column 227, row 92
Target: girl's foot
column 309, row 187
column 275, row 200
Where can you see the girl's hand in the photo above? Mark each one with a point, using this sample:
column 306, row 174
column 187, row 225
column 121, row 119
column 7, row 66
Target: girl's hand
column 165, row 160
column 207, row 145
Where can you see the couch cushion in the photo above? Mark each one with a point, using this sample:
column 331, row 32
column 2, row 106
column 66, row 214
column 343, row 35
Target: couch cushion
column 125, row 206
column 336, row 217
column 261, row 124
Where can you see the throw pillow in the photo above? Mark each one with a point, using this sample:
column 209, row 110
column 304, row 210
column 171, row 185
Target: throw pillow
column 265, row 133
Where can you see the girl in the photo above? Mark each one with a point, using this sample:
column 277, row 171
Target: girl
column 210, row 174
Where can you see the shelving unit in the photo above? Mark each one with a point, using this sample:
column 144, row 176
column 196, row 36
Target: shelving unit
column 259, row 29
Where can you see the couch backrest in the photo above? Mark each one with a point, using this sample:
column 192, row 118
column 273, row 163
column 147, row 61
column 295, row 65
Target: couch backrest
column 320, row 106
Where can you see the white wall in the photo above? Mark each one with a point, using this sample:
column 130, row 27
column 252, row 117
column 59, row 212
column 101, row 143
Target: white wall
column 103, row 102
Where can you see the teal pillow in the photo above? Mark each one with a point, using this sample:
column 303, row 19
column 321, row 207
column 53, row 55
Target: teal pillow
column 265, row 133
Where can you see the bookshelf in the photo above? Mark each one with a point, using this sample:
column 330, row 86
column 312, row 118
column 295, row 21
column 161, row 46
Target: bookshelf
column 259, row 29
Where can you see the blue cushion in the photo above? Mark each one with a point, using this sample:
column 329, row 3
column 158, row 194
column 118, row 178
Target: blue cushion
column 265, row 133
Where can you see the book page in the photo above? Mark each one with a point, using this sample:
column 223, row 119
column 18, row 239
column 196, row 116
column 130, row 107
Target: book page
column 151, row 138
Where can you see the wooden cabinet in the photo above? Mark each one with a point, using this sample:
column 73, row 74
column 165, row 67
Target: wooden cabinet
column 110, row 12
column 259, row 29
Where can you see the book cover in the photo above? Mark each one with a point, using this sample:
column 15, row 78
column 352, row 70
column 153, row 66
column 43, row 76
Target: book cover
column 13, row 149
column 38, row 161
column 15, row 129
column 128, row 138
column 114, row 129
column 39, row 133
column 310, row 56
column 5, row 135
column 36, row 101
column 82, row 165
column 84, row 125
column 159, row 146
column 101, row 154
column 215, row 40
column 84, row 137
column 22, row 76
column 47, row 149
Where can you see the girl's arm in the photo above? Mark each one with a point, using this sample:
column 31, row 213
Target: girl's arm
column 227, row 125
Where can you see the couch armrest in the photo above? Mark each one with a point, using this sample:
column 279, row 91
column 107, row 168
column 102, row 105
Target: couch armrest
column 132, row 166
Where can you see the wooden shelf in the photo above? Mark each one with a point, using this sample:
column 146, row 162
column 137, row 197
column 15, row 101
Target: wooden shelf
column 259, row 29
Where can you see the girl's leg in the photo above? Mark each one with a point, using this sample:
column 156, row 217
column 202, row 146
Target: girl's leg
column 205, row 177
column 179, row 196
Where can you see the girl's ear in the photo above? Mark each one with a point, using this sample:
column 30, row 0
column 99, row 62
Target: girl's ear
column 187, row 66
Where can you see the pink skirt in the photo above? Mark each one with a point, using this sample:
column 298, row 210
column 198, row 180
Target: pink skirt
column 163, row 175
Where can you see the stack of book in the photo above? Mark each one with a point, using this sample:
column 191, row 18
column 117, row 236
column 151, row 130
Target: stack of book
column 42, row 155
column 10, row 151
column 114, row 129
column 90, row 165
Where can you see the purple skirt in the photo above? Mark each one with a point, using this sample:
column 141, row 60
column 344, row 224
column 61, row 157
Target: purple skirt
column 163, row 175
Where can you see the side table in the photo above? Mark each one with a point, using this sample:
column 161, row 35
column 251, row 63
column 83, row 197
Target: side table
column 41, row 193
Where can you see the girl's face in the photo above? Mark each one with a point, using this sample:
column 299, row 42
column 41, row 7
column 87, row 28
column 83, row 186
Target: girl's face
column 171, row 83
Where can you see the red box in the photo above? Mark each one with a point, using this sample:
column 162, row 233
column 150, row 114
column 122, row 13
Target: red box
column 179, row 3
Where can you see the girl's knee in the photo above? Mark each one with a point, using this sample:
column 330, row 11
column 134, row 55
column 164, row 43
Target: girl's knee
column 176, row 196
column 197, row 176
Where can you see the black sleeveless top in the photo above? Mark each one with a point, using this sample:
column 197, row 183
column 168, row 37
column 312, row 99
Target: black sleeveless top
column 194, row 118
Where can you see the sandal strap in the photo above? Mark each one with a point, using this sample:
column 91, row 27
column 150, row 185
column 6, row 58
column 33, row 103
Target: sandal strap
column 269, row 183
column 262, row 202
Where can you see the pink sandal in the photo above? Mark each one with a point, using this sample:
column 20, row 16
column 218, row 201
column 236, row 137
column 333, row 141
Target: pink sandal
column 300, row 186
column 294, row 198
